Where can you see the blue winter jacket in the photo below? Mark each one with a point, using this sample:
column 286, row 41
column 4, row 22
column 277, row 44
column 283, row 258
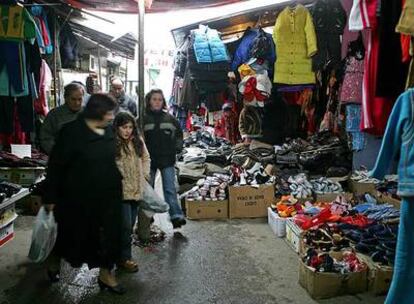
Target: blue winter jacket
column 399, row 141
column 242, row 54
column 208, row 46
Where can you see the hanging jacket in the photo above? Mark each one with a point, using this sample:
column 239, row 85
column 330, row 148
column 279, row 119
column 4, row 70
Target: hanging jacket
column 295, row 39
column 328, row 16
column 398, row 142
column 242, row 54
column 329, row 19
column 208, row 46
column 19, row 24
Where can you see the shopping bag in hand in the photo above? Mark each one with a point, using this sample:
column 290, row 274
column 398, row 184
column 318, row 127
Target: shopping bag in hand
column 43, row 237
column 151, row 201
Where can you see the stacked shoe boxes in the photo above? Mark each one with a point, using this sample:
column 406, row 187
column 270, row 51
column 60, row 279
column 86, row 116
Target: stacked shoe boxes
column 250, row 201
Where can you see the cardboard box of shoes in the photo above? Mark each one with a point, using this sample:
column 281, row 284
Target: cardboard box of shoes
column 250, row 201
column 379, row 276
column 323, row 285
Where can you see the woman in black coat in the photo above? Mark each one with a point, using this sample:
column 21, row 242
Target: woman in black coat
column 85, row 187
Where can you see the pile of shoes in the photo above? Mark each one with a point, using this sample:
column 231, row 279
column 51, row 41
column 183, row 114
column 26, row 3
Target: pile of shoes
column 378, row 241
column 362, row 176
column 324, row 262
column 324, row 185
column 326, row 238
column 300, row 186
column 251, row 173
column 212, row 188
column 8, row 189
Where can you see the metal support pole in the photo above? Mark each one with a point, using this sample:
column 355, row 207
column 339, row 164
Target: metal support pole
column 100, row 67
column 141, row 88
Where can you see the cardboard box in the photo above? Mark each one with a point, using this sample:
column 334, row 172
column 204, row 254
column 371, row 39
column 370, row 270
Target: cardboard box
column 207, row 209
column 379, row 276
column 294, row 236
column 362, row 188
column 385, row 199
column 330, row 197
column 323, row 285
column 276, row 223
column 250, row 202
column 6, row 234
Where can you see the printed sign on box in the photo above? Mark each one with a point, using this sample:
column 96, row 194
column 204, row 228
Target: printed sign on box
column 250, row 202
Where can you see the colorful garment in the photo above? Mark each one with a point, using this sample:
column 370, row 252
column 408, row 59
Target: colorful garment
column 295, row 39
column 351, row 90
column 17, row 24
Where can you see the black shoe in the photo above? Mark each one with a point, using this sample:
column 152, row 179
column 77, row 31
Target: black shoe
column 54, row 276
column 118, row 289
column 178, row 223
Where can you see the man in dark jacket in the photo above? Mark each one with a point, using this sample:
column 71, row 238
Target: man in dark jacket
column 125, row 102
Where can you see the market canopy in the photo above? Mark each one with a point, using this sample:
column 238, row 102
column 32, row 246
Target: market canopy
column 152, row 6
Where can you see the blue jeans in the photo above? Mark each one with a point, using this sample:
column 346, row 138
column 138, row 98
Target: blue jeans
column 401, row 290
column 170, row 191
column 129, row 216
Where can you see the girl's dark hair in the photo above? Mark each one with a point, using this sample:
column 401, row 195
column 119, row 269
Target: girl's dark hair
column 148, row 99
column 122, row 119
column 98, row 105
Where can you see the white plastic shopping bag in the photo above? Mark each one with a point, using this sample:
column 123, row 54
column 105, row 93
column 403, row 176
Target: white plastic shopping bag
column 43, row 237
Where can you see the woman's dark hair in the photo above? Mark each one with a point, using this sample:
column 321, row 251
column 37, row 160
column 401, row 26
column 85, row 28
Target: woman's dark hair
column 71, row 88
column 122, row 119
column 98, row 105
column 149, row 96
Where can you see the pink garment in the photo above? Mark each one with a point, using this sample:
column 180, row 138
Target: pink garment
column 363, row 15
column 40, row 104
column 347, row 36
column 351, row 90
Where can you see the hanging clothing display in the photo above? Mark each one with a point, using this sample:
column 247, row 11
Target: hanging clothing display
column 256, row 88
column 295, row 40
column 244, row 53
column 43, row 36
column 19, row 70
column 202, row 82
column 329, row 19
